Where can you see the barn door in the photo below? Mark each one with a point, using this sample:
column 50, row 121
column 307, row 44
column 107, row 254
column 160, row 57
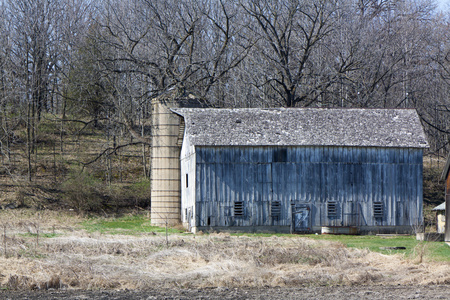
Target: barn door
column 301, row 220
column 350, row 215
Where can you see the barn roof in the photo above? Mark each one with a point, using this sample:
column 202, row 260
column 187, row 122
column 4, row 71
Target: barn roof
column 303, row 127
column 440, row 207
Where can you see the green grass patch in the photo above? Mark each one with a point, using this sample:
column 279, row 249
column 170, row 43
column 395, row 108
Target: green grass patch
column 134, row 224
column 41, row 235
column 438, row 251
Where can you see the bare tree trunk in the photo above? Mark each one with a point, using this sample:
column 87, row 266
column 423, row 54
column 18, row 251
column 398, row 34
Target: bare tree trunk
column 29, row 140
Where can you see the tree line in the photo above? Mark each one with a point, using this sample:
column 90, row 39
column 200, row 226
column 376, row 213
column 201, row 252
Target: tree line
column 101, row 62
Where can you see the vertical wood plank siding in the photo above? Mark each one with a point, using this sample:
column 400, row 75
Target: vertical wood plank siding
column 354, row 178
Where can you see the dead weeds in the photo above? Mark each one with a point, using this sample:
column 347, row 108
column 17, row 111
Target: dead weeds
column 74, row 258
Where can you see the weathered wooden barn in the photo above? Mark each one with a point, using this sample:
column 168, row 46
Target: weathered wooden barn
column 446, row 176
column 301, row 170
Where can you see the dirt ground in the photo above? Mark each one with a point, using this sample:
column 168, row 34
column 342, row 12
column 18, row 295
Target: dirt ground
column 327, row 292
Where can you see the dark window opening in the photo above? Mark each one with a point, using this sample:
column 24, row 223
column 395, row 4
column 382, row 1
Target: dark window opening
column 280, row 155
column 378, row 209
column 332, row 209
column 187, row 180
column 275, row 209
column 209, row 221
column 238, row 209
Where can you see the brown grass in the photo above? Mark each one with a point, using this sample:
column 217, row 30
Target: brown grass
column 77, row 259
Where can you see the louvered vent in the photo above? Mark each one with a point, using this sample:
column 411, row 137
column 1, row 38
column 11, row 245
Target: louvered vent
column 332, row 209
column 378, row 209
column 238, row 209
column 275, row 209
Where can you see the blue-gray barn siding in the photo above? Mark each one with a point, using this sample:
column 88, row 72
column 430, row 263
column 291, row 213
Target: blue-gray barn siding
column 352, row 177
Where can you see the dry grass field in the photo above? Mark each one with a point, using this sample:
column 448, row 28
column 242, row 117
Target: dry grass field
column 43, row 250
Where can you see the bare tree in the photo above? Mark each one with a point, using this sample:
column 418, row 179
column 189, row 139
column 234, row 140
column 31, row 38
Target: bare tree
column 434, row 102
column 151, row 47
column 38, row 32
column 289, row 33
column 6, row 87
column 389, row 48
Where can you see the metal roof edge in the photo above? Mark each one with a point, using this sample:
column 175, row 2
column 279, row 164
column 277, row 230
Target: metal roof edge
column 175, row 110
column 273, row 145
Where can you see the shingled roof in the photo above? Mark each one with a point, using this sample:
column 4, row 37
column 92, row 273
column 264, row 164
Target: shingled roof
column 303, row 127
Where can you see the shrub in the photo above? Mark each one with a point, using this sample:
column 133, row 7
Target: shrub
column 83, row 192
column 141, row 192
column 135, row 195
